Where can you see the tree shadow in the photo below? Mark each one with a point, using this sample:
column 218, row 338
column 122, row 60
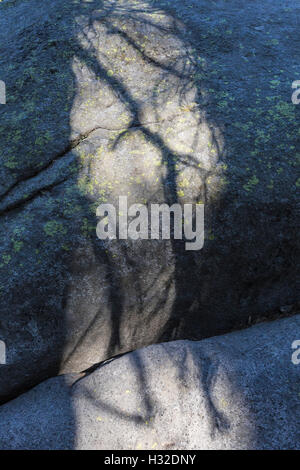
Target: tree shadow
column 182, row 281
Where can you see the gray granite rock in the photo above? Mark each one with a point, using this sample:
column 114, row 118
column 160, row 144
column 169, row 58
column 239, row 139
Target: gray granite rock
column 176, row 101
column 237, row 391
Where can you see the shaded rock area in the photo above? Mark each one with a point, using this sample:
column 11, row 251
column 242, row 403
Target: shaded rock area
column 182, row 101
column 237, row 391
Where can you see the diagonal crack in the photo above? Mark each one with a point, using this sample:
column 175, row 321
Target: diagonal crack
column 71, row 145
column 20, row 201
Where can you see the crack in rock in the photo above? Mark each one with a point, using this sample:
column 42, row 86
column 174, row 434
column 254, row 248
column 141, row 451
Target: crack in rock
column 29, row 187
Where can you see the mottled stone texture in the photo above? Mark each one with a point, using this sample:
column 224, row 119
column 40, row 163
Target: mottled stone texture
column 237, row 391
column 182, row 101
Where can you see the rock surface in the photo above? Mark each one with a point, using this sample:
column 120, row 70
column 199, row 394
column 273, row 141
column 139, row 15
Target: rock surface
column 181, row 101
column 237, row 391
